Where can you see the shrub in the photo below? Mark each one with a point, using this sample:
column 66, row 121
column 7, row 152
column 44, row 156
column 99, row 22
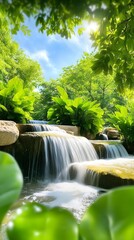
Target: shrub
column 123, row 120
column 77, row 112
column 16, row 101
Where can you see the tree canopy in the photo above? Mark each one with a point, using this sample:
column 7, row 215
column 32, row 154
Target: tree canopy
column 19, row 77
column 80, row 80
column 114, row 39
column 13, row 60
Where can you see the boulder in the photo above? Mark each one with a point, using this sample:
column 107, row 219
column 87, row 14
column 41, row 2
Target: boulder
column 9, row 132
column 104, row 173
column 112, row 133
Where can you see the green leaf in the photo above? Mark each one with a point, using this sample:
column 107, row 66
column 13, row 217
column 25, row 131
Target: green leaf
column 36, row 222
column 11, row 182
column 50, row 113
column 3, row 107
column 110, row 216
column 63, row 93
column 58, row 100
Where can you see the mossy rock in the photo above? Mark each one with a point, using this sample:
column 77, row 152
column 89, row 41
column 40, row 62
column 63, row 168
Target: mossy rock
column 104, row 173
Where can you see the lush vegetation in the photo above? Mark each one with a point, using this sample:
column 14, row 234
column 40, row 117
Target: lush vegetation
column 16, row 101
column 19, row 77
column 114, row 44
column 84, row 114
column 80, row 80
column 83, row 86
column 123, row 120
column 107, row 216
column 113, row 40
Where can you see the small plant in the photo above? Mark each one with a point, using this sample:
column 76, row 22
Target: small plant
column 123, row 120
column 78, row 112
column 16, row 101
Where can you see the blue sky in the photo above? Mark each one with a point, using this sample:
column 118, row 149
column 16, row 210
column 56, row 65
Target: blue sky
column 53, row 52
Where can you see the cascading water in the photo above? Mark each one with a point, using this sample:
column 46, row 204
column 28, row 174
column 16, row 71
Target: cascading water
column 46, row 152
column 60, row 149
column 50, row 151
column 46, row 127
column 115, row 151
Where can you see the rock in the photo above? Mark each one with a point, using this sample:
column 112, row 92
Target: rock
column 9, row 132
column 101, row 136
column 73, row 130
column 104, row 173
column 112, row 133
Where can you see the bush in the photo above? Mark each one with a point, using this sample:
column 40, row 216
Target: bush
column 123, row 120
column 16, row 102
column 77, row 112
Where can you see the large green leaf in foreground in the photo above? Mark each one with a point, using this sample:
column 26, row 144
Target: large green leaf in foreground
column 11, row 182
column 34, row 221
column 110, row 217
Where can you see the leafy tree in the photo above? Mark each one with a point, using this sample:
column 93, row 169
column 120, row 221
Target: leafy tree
column 44, row 99
column 114, row 39
column 14, row 62
column 19, row 77
column 81, row 81
column 16, row 101
column 78, row 112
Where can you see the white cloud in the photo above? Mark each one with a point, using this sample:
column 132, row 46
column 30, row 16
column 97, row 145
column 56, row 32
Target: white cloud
column 82, row 42
column 53, row 38
column 41, row 55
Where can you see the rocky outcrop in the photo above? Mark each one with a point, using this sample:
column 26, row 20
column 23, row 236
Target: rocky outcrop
column 9, row 132
column 104, row 173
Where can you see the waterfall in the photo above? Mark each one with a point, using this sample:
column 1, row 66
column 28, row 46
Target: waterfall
column 46, row 155
column 62, row 149
column 115, row 151
column 46, row 127
column 46, row 152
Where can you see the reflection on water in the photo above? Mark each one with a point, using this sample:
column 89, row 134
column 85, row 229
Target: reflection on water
column 71, row 195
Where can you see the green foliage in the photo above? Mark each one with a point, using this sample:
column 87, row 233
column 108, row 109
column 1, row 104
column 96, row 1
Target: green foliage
column 123, row 120
column 78, row 112
column 110, row 216
column 11, row 182
column 35, row 221
column 16, row 101
column 19, row 76
column 81, row 81
column 107, row 217
column 44, row 99
column 114, row 39
column 14, row 62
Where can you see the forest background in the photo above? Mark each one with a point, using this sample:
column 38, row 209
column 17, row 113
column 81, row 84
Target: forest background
column 90, row 94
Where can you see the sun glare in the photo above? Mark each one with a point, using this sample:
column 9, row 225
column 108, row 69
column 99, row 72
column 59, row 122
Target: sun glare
column 91, row 27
